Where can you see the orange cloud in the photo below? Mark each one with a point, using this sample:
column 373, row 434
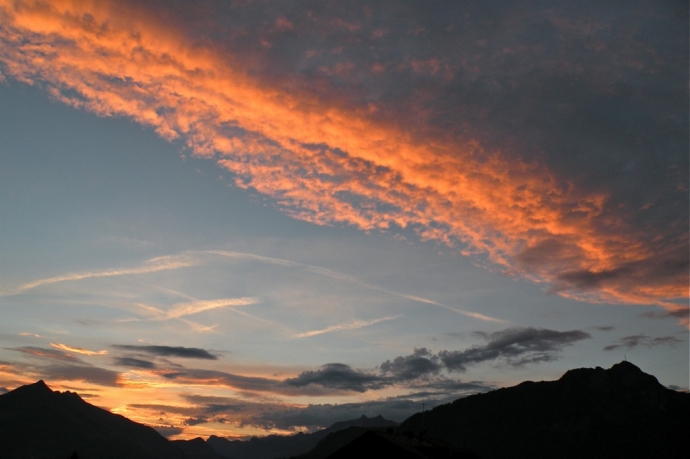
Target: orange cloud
column 331, row 164
column 77, row 350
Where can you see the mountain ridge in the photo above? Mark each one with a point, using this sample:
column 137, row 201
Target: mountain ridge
column 588, row 412
column 65, row 424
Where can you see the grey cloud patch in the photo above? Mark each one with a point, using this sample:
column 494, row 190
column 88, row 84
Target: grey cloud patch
column 134, row 363
column 604, row 328
column 170, row 351
column 420, row 363
column 517, row 346
column 4, row 390
column 338, row 376
column 633, row 341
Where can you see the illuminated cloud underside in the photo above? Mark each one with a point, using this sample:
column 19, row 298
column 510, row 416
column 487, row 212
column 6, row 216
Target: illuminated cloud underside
column 332, row 165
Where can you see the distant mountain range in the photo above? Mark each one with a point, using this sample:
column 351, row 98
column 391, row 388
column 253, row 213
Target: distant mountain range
column 279, row 446
column 621, row 412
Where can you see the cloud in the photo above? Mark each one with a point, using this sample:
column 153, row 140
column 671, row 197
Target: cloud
column 90, row 374
column 485, row 153
column 3, row 390
column 421, row 363
column 342, row 277
column 338, row 376
column 170, row 351
column 604, row 328
column 151, row 266
column 344, row 326
column 59, row 365
column 46, row 353
column 134, row 363
column 516, row 346
column 682, row 313
column 77, row 350
column 632, row 341
column 195, row 421
column 195, row 307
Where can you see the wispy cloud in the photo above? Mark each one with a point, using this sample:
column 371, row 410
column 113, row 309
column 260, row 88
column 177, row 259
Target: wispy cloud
column 151, row 266
column 344, row 326
column 345, row 278
column 77, row 350
column 195, row 307
column 633, row 341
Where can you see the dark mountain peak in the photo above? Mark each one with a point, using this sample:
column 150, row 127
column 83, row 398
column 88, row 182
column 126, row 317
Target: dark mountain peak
column 37, row 390
column 621, row 376
column 38, row 387
column 39, row 422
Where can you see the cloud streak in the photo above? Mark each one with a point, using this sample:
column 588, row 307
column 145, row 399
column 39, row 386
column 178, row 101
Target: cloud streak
column 335, row 159
column 151, row 266
column 77, row 350
column 344, row 326
column 633, row 341
column 169, row 351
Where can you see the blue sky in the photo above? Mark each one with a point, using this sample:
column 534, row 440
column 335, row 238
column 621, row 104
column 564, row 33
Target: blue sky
column 329, row 213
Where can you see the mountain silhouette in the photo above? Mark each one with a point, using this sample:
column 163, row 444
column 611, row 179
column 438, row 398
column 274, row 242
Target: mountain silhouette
column 621, row 412
column 278, row 446
column 38, row 423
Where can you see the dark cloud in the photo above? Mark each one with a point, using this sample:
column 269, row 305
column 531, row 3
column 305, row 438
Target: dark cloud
column 632, row 341
column 195, row 421
column 338, row 376
column 168, row 431
column 3, row 390
column 517, row 346
column 420, row 363
column 213, row 405
column 604, row 328
column 134, row 363
column 170, row 351
column 199, row 376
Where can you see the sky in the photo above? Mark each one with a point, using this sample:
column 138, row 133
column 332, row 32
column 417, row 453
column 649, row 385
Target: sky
column 248, row 217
